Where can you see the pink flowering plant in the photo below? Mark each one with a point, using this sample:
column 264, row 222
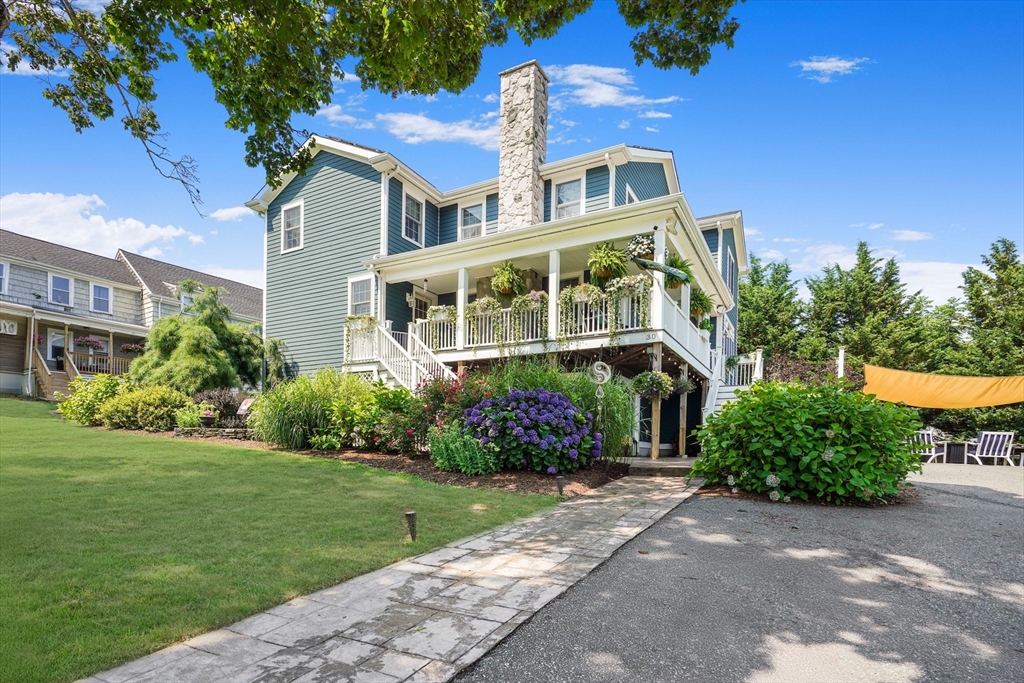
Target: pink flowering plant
column 89, row 343
column 535, row 430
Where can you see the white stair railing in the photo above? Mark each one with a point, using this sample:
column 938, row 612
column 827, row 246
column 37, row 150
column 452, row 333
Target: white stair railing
column 714, row 383
column 397, row 360
column 422, row 354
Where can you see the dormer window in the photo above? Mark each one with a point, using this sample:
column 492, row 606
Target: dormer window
column 567, row 199
column 413, row 228
column 60, row 290
column 187, row 299
column 472, row 221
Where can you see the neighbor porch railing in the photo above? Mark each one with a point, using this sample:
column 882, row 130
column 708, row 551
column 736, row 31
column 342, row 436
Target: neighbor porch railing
column 91, row 364
column 44, row 378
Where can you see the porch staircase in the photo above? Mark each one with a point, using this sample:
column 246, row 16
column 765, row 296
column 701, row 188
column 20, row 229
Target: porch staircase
column 399, row 358
column 727, row 383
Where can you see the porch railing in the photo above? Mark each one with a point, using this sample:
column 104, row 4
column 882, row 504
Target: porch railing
column 44, row 378
column 484, row 329
column 399, row 352
column 91, row 364
column 426, row 358
column 440, row 335
column 592, row 318
column 747, row 370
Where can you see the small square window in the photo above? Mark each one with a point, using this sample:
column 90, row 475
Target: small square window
column 360, row 297
column 292, row 225
column 567, row 199
column 472, row 221
column 60, row 290
column 101, row 299
column 413, row 220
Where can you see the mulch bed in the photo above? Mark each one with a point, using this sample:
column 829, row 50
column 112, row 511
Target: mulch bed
column 420, row 466
column 906, row 495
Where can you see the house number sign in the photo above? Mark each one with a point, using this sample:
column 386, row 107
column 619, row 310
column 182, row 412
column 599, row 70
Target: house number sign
column 8, row 326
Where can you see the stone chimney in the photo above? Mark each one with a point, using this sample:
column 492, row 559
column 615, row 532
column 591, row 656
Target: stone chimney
column 522, row 146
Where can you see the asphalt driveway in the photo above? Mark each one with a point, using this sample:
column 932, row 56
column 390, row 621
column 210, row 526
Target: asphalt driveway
column 730, row 590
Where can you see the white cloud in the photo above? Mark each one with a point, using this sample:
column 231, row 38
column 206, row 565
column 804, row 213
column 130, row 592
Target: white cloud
column 74, row 221
column 823, row 69
column 789, row 240
column 491, row 97
column 858, row 225
column 651, row 114
column 152, row 252
column 937, row 280
column 335, row 116
column 651, row 129
column 598, row 86
column 417, row 128
column 910, row 235
column 23, row 68
column 624, row 124
column 252, row 277
column 817, row 256
column 196, row 239
column 875, row 226
column 233, row 213
column 772, row 254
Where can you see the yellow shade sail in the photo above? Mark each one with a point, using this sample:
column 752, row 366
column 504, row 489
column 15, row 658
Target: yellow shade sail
column 924, row 390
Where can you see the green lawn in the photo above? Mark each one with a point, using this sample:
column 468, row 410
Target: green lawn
column 114, row 545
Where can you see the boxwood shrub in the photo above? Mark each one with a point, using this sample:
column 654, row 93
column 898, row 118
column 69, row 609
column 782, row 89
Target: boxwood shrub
column 824, row 441
column 150, row 408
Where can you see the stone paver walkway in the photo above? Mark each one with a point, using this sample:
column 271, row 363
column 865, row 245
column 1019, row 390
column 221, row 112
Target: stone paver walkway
column 426, row 618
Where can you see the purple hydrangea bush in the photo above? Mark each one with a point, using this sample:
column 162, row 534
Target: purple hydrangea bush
column 536, row 430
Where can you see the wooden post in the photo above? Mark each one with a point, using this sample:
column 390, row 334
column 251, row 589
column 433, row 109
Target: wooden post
column 683, row 372
column 69, row 346
column 656, row 408
column 110, row 354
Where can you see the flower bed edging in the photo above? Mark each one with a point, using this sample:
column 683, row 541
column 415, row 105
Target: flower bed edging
column 212, row 433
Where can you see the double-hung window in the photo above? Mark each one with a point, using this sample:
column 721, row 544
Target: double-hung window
column 4, row 275
column 567, row 199
column 60, row 290
column 730, row 270
column 100, row 299
column 291, row 227
column 413, row 229
column 360, row 296
column 472, row 221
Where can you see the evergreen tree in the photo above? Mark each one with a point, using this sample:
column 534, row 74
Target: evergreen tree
column 867, row 310
column 769, row 309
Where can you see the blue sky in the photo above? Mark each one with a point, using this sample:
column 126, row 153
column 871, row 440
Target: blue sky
column 897, row 123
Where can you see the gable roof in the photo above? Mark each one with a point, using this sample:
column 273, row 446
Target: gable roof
column 161, row 278
column 59, row 257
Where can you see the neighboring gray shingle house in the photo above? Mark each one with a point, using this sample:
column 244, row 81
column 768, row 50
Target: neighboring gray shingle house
column 50, row 293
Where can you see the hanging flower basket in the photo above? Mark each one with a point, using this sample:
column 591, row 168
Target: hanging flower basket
column 651, row 385
column 641, row 246
column 89, row 343
column 132, row 348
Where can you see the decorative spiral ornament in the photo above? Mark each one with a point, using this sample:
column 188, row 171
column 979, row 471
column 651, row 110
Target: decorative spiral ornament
column 600, row 372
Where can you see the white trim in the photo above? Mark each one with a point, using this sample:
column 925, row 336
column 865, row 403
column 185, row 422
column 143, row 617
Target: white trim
column 730, row 267
column 71, row 289
column 385, row 201
column 483, row 218
column 266, row 239
column 6, row 277
column 302, row 225
column 348, row 291
column 423, row 222
column 630, row 195
column 92, row 298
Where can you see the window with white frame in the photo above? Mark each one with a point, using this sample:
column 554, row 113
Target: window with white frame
column 730, row 270
column 360, row 296
column 100, row 299
column 291, row 227
column 4, row 275
column 60, row 290
column 472, row 221
column 630, row 197
column 413, row 228
column 567, row 199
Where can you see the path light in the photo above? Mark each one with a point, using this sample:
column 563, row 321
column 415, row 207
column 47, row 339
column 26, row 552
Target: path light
column 410, row 520
column 560, row 480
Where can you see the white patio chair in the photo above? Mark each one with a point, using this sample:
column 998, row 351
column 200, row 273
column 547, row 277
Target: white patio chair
column 929, row 449
column 995, row 445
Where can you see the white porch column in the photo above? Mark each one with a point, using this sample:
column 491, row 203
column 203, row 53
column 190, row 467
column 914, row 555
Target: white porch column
column 657, row 296
column 462, row 298
column 554, row 276
column 382, row 296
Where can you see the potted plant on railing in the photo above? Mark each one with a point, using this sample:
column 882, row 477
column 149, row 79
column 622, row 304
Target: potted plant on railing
column 440, row 314
column 679, row 263
column 653, row 384
column 607, row 262
column 706, row 327
column 507, row 280
column 208, row 418
column 641, row 246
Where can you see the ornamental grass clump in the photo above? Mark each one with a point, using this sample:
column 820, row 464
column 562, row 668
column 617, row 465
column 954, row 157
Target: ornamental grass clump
column 535, row 430
column 825, row 442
